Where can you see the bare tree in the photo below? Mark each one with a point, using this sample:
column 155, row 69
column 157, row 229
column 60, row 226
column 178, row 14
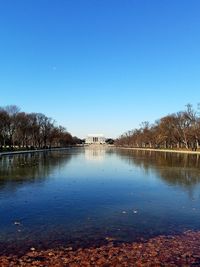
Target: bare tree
column 30, row 130
column 179, row 130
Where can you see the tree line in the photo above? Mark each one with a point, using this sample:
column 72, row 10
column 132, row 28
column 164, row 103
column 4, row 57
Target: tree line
column 179, row 130
column 31, row 130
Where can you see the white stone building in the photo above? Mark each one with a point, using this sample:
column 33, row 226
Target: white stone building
column 98, row 139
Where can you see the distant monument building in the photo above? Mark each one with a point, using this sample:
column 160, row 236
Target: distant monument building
column 98, row 139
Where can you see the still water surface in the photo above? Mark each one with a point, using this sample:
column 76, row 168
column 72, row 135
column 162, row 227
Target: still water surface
column 80, row 197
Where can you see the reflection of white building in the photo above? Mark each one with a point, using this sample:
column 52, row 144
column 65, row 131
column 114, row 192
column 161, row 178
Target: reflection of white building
column 95, row 139
column 94, row 154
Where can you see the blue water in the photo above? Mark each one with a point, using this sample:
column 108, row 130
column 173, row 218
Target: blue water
column 80, row 197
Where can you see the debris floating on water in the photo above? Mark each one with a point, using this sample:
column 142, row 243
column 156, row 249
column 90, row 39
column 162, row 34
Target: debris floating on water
column 17, row 223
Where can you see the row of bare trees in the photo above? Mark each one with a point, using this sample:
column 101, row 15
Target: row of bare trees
column 30, row 130
column 178, row 130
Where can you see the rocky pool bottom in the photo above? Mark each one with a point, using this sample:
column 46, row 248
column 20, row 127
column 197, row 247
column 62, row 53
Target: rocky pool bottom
column 177, row 250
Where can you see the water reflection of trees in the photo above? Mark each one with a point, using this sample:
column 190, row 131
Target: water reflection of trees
column 175, row 169
column 31, row 167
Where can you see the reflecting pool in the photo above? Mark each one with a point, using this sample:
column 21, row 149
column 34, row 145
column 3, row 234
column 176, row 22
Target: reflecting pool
column 85, row 197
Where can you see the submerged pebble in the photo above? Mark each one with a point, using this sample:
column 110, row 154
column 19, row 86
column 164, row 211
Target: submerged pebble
column 180, row 250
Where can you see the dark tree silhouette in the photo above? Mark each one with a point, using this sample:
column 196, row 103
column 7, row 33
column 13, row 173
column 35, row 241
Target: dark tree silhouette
column 30, row 130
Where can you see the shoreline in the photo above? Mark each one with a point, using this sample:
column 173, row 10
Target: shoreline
column 176, row 250
column 161, row 150
column 8, row 153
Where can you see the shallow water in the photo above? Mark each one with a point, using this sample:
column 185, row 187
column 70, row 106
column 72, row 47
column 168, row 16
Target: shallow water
column 82, row 197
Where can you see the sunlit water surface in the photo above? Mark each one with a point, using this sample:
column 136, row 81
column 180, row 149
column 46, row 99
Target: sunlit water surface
column 83, row 197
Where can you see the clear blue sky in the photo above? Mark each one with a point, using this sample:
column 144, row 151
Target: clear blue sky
column 100, row 65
